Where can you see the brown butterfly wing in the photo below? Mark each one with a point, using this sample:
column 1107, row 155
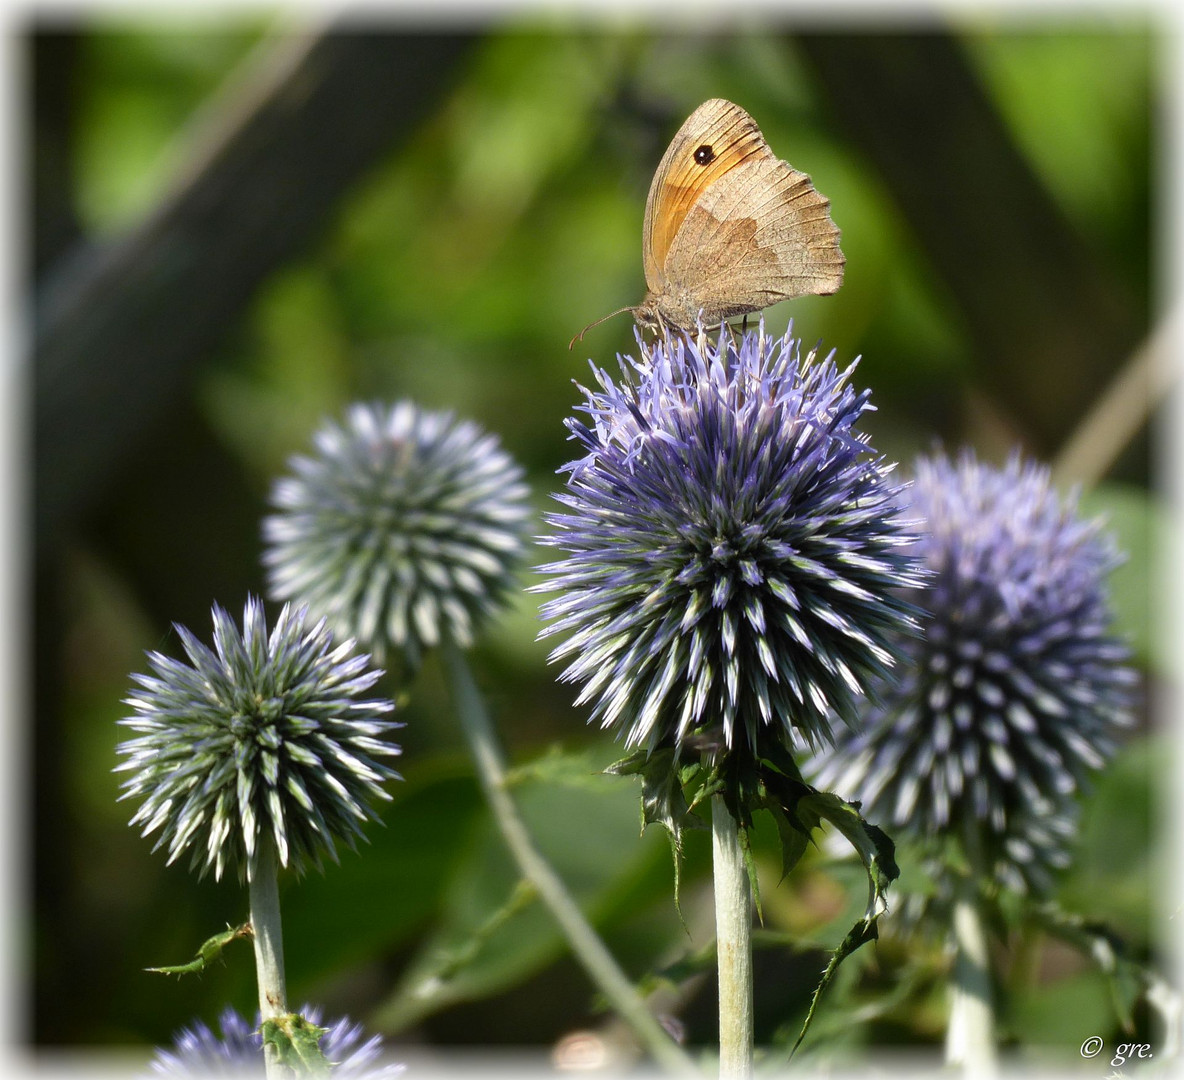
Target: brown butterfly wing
column 733, row 138
column 760, row 235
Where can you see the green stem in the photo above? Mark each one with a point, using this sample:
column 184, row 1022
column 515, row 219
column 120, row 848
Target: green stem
column 733, row 936
column 970, row 1036
column 269, row 944
column 584, row 942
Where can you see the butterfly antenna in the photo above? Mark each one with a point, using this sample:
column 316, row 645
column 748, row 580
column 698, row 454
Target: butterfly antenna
column 580, row 336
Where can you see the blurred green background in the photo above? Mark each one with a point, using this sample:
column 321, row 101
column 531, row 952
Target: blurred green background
column 239, row 225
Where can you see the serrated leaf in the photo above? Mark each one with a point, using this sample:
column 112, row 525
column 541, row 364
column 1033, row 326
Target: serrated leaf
column 744, row 835
column 794, row 839
column 663, row 800
column 781, row 793
column 875, row 848
column 862, row 932
column 296, row 1043
column 843, row 1030
column 877, row 853
column 628, row 766
column 210, row 951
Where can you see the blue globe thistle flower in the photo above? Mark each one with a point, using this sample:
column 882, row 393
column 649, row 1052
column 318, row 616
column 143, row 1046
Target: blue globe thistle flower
column 262, row 736
column 732, row 547
column 405, row 525
column 1016, row 690
column 237, row 1049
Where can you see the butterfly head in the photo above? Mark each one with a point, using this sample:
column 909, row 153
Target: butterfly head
column 603, row 318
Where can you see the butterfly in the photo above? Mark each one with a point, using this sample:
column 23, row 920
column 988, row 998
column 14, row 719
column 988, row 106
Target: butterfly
column 730, row 228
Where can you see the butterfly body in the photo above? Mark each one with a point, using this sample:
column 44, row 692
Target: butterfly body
column 729, row 227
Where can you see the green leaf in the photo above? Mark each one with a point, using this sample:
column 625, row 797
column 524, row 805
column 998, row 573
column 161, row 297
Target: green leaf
column 663, row 800
column 297, row 1044
column 875, row 848
column 780, row 791
column 210, row 951
column 861, row 933
column 877, row 853
column 794, row 839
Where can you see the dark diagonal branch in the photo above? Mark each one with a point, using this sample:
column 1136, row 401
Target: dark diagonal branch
column 120, row 329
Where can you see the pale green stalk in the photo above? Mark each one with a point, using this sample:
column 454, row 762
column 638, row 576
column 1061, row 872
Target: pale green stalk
column 733, row 938
column 970, row 1033
column 269, row 944
column 584, row 941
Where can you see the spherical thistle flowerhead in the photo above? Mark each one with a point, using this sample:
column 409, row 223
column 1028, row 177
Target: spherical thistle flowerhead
column 403, row 526
column 731, row 547
column 237, row 1050
column 1015, row 691
column 264, row 738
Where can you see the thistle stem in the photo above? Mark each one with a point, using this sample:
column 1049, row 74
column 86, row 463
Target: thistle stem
column 269, row 944
column 733, row 937
column 584, row 941
column 970, row 1036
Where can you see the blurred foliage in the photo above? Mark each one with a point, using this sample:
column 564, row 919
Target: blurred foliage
column 455, row 274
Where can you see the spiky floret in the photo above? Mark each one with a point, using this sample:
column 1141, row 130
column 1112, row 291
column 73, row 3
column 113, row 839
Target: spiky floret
column 1016, row 690
column 261, row 736
column 236, row 1049
column 731, row 546
column 402, row 526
